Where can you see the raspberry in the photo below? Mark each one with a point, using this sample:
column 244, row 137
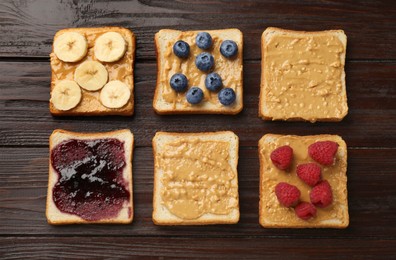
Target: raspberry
column 282, row 157
column 305, row 210
column 288, row 195
column 321, row 195
column 309, row 173
column 323, row 152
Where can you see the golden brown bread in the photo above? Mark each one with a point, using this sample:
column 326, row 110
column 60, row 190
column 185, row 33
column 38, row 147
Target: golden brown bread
column 271, row 213
column 125, row 216
column 162, row 215
column 122, row 70
column 166, row 101
column 302, row 75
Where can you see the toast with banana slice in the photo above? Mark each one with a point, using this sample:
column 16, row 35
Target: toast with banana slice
column 92, row 72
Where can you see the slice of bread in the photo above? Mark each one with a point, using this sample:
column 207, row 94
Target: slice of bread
column 125, row 215
column 272, row 214
column 121, row 70
column 167, row 101
column 184, row 152
column 302, row 75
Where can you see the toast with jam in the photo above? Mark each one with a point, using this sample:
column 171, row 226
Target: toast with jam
column 90, row 178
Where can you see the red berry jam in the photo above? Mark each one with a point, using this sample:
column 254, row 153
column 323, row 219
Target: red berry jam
column 90, row 183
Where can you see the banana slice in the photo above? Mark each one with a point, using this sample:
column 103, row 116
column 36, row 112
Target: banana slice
column 91, row 75
column 70, row 46
column 115, row 94
column 110, row 47
column 66, row 95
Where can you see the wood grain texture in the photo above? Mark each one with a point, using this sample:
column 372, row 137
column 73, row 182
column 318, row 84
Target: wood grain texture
column 37, row 21
column 27, row 28
column 24, row 117
column 169, row 247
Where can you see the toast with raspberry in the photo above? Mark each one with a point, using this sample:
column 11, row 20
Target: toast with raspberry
column 308, row 193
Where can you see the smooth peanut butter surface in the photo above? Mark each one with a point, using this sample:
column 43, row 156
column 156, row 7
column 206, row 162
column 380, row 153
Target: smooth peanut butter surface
column 336, row 176
column 230, row 70
column 197, row 178
column 304, row 77
column 120, row 70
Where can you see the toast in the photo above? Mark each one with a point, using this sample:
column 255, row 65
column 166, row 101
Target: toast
column 87, row 171
column 188, row 190
column 302, row 75
column 274, row 215
column 116, row 67
column 168, row 101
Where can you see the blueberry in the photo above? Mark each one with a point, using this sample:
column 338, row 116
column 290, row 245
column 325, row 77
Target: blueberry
column 228, row 48
column 178, row 82
column 204, row 61
column 194, row 95
column 213, row 81
column 226, row 96
column 203, row 40
column 181, row 49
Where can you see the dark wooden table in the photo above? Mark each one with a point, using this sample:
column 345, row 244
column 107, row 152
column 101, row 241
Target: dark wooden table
column 26, row 31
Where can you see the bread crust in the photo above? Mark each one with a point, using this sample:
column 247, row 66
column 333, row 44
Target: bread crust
column 126, row 110
column 180, row 221
column 74, row 219
column 270, row 30
column 302, row 224
column 193, row 110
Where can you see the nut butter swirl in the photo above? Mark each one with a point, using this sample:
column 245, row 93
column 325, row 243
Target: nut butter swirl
column 304, row 74
column 197, row 178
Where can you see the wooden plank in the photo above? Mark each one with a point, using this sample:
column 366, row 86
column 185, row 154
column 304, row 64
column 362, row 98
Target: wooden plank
column 23, row 182
column 25, row 118
column 170, row 247
column 37, row 21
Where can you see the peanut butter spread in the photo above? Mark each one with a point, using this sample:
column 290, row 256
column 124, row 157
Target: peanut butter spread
column 303, row 76
column 197, row 178
column 336, row 176
column 119, row 70
column 230, row 70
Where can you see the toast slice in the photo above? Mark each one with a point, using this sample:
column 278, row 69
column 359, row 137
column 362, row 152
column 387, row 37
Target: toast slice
column 90, row 178
column 274, row 215
column 195, row 178
column 302, row 75
column 90, row 103
column 167, row 101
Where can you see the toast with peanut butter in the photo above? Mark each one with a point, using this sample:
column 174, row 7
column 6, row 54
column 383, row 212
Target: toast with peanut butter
column 199, row 72
column 195, row 178
column 92, row 72
column 303, row 182
column 302, row 75
column 90, row 178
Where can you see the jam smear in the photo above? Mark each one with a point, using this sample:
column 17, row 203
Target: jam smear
column 90, row 183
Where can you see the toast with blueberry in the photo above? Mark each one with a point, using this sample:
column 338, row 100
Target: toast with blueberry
column 90, row 178
column 303, row 75
column 199, row 72
column 195, row 178
column 303, row 182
